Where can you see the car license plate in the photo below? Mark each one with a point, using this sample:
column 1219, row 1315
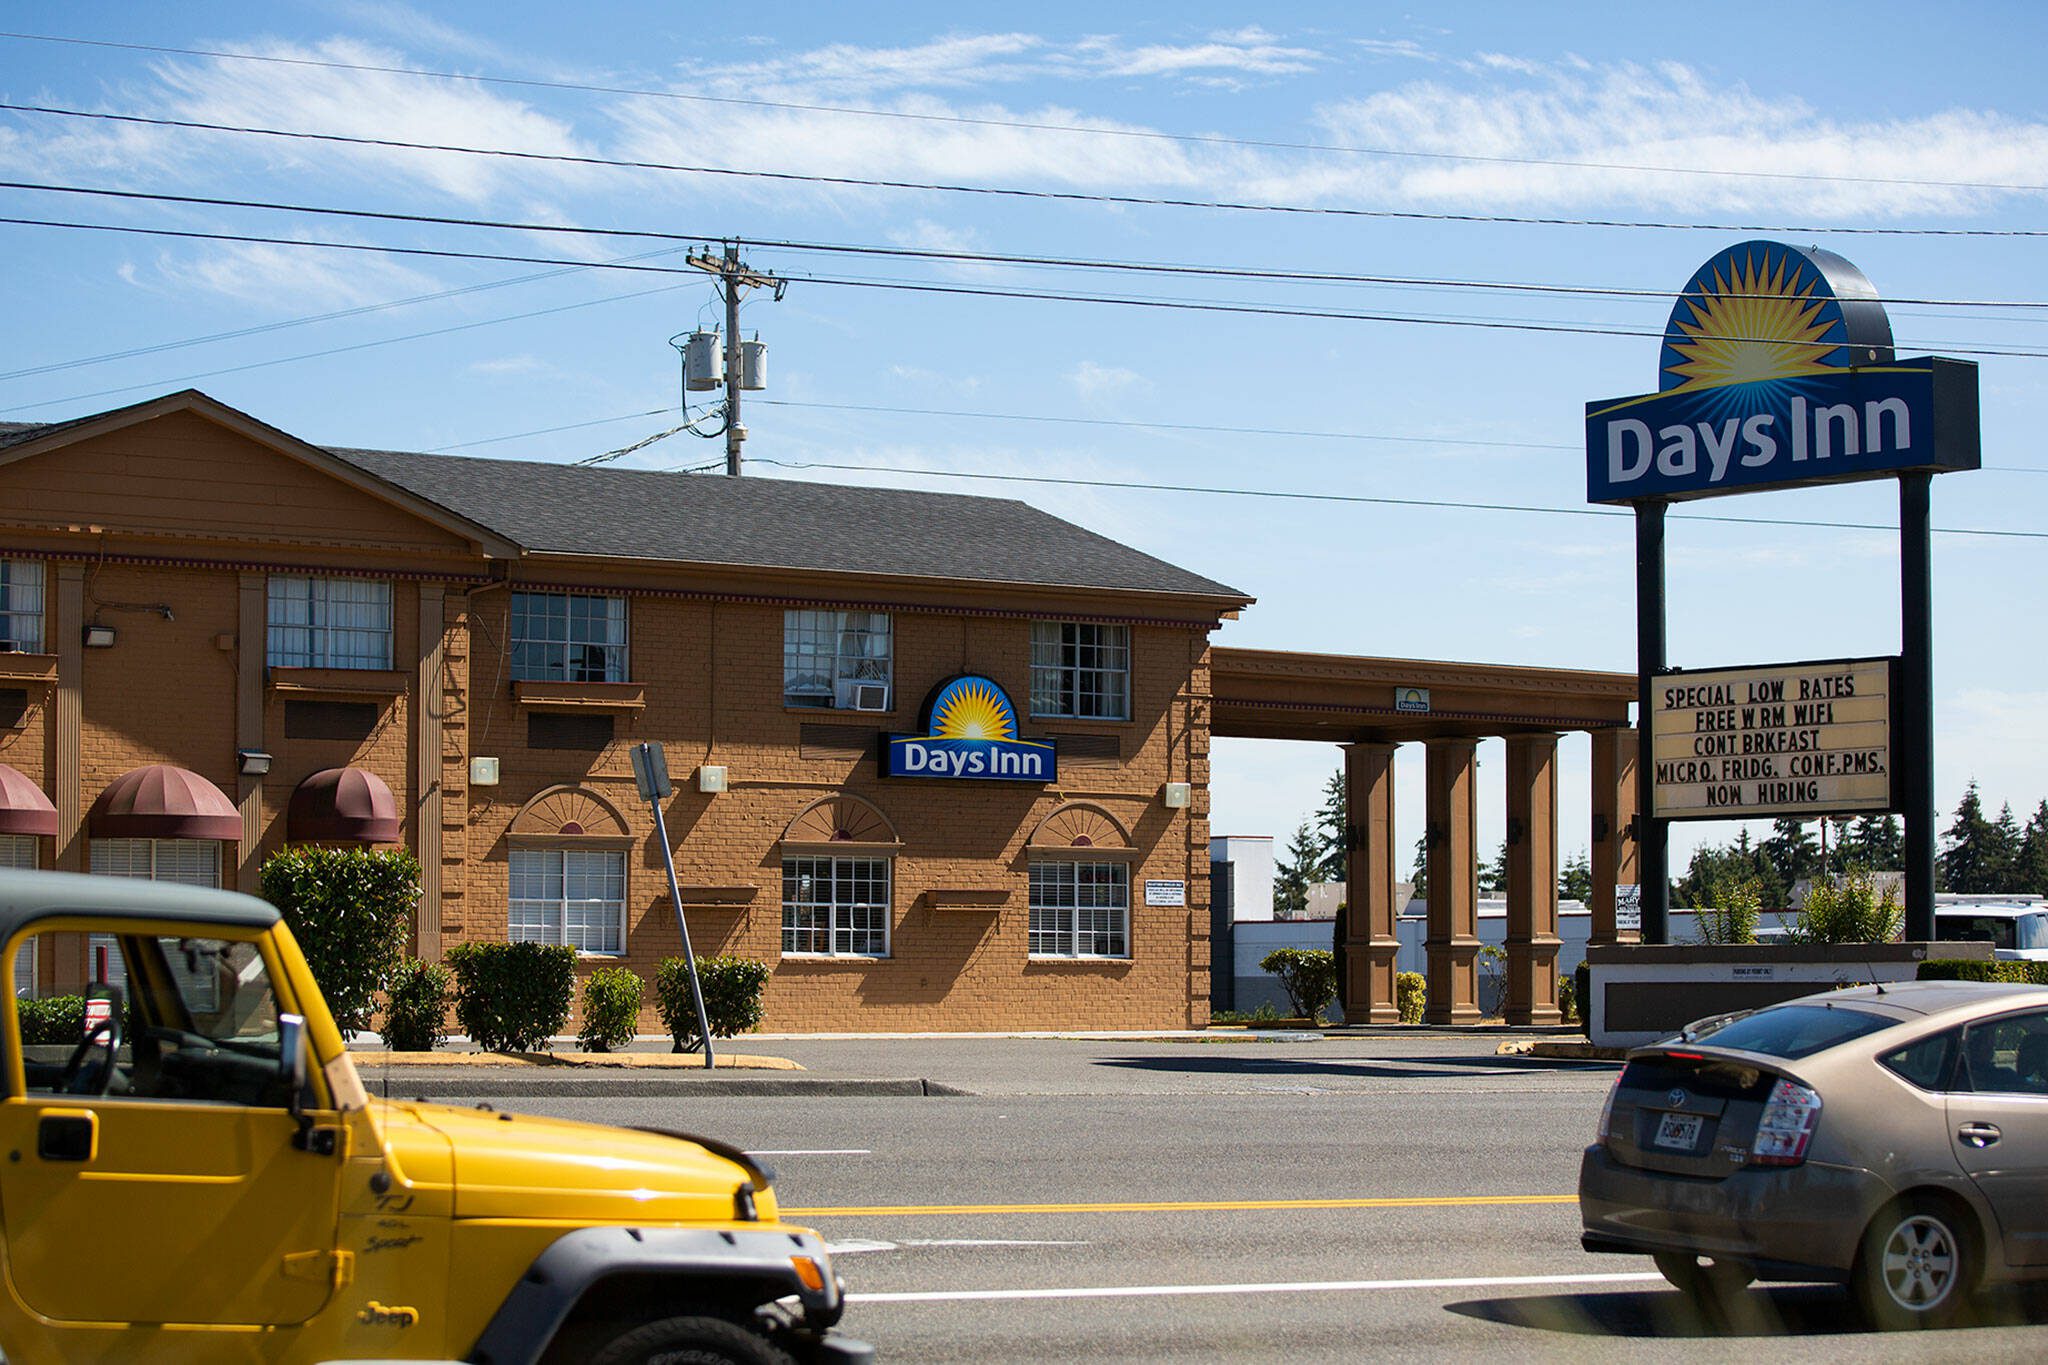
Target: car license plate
column 1679, row 1131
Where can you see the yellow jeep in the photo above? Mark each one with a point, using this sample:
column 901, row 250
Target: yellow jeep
column 194, row 1172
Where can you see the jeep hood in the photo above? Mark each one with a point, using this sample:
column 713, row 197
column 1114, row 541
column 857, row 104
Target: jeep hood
column 519, row 1166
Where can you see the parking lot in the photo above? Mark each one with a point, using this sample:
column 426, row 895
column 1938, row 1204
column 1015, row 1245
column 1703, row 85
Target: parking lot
column 1316, row 1199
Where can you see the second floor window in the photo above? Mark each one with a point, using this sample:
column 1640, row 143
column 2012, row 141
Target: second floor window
column 328, row 623
column 836, row 659
column 21, row 606
column 1080, row 669
column 566, row 637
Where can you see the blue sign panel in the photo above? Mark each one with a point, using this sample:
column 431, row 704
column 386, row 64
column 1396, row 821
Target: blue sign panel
column 970, row 735
column 1777, row 369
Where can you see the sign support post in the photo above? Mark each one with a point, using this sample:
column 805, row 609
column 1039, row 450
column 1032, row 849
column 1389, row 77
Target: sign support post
column 650, row 773
column 1916, row 682
column 1653, row 848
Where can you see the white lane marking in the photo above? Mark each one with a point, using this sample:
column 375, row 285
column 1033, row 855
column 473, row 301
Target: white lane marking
column 1132, row 1291
column 854, row 1246
column 985, row 1242
column 811, row 1151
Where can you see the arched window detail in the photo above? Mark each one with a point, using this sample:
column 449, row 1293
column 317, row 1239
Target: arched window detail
column 569, row 813
column 1079, row 828
column 839, row 821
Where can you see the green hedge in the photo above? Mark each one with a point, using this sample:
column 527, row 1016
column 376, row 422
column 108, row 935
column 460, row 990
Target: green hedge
column 416, row 1006
column 512, row 997
column 351, row 911
column 611, row 1009
column 53, row 1019
column 1968, row 969
column 732, row 997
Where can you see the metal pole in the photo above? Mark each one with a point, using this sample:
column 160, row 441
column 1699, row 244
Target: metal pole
column 734, row 432
column 683, row 927
column 1653, row 862
column 1916, row 699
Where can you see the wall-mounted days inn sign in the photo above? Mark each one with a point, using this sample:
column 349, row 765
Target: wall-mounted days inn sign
column 970, row 733
column 1777, row 369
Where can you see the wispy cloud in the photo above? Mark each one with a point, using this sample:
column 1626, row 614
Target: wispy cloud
column 287, row 278
column 1095, row 381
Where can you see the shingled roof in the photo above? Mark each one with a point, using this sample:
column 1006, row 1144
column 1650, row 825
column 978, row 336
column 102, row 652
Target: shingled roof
column 756, row 522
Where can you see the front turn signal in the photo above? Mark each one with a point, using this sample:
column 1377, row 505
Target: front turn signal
column 810, row 1272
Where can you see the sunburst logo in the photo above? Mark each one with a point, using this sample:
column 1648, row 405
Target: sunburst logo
column 973, row 708
column 1756, row 312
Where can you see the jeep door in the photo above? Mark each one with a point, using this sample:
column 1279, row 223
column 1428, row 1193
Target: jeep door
column 168, row 1191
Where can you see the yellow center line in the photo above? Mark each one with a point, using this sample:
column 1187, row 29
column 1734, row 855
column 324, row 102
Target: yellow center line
column 1185, row 1206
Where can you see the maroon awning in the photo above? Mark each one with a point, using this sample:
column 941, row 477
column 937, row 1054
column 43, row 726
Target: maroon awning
column 343, row 805
column 163, row 802
column 23, row 807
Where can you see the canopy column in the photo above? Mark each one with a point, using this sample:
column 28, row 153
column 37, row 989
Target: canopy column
column 1532, row 940
column 1452, row 940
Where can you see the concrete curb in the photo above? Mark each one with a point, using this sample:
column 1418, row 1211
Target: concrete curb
column 370, row 1059
column 452, row 1084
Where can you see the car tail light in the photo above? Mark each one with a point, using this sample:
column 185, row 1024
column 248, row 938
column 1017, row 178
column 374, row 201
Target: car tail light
column 1607, row 1109
column 1787, row 1125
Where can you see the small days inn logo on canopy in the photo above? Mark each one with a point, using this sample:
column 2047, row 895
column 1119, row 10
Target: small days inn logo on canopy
column 1777, row 369
column 970, row 733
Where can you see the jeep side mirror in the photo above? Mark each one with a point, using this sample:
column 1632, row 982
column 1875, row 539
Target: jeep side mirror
column 291, row 1056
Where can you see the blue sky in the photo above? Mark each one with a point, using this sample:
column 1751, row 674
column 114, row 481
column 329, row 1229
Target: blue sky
column 1817, row 126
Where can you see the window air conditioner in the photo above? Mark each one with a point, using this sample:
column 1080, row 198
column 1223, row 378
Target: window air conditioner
column 871, row 697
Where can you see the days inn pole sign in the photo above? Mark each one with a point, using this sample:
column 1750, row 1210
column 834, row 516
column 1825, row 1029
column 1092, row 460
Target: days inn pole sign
column 969, row 734
column 1778, row 371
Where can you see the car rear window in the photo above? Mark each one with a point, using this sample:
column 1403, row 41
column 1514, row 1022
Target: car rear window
column 1795, row 1030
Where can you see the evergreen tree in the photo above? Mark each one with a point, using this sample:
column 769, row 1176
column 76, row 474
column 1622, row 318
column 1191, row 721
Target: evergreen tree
column 1493, row 876
column 1969, row 855
column 1332, row 823
column 1841, row 845
column 2005, row 850
column 1878, row 843
column 2030, row 867
column 1292, row 877
column 1575, row 879
column 1789, row 854
column 1419, row 878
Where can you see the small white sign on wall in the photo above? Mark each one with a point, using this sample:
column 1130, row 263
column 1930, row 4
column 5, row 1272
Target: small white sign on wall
column 1628, row 906
column 1166, row 892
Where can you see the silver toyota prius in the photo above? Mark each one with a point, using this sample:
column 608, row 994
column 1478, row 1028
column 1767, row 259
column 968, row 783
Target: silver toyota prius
column 1890, row 1138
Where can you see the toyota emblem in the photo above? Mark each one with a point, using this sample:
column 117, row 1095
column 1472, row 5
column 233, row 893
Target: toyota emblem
column 1677, row 1098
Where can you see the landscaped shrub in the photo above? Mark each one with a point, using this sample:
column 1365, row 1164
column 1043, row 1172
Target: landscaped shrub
column 1582, row 996
column 416, row 1006
column 1851, row 911
column 611, row 1009
column 1411, row 996
column 53, row 1019
column 732, row 997
column 512, row 997
column 1308, row 975
column 350, row 910
column 1968, row 969
column 1568, row 998
column 1731, row 914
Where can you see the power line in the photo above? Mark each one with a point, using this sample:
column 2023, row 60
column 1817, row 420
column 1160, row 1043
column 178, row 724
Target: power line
column 1127, row 301
column 975, row 257
column 1199, row 139
column 1009, row 192
column 1444, row 504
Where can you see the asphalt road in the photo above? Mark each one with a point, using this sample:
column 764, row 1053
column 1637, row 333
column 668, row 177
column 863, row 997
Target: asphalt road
column 1300, row 1201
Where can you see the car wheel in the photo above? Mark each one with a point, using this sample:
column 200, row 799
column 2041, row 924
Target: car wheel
column 1917, row 1268
column 691, row 1341
column 1709, row 1283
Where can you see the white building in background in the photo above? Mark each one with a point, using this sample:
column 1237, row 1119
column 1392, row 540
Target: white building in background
column 1241, row 876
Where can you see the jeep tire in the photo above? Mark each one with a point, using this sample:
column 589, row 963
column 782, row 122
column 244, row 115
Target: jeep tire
column 691, row 1341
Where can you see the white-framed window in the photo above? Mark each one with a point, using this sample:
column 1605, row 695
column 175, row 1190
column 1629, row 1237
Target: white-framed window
column 21, row 606
column 1080, row 909
column 1080, row 669
column 188, row 862
column 575, row 896
column 835, row 907
column 841, row 659
column 568, row 637
column 328, row 622
column 19, row 850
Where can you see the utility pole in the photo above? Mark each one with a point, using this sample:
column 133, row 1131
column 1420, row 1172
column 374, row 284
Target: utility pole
column 734, row 276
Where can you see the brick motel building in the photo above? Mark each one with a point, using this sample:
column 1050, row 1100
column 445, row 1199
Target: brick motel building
column 217, row 639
